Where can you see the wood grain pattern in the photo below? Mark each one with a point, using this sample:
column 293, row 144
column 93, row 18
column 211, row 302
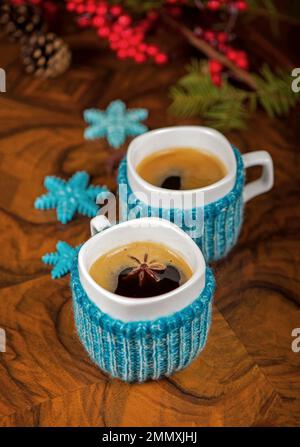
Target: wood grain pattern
column 247, row 374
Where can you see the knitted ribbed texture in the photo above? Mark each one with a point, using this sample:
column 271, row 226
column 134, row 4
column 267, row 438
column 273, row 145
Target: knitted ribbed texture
column 139, row 351
column 222, row 218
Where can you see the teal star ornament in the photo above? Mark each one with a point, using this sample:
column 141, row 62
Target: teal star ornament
column 116, row 123
column 71, row 196
column 62, row 259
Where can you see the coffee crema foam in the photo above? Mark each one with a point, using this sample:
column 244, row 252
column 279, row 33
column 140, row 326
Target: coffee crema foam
column 181, row 168
column 125, row 270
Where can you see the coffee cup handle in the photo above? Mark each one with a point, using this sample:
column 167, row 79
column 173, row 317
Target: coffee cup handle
column 98, row 224
column 266, row 181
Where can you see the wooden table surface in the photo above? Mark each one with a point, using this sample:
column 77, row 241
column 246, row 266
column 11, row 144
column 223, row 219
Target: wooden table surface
column 248, row 373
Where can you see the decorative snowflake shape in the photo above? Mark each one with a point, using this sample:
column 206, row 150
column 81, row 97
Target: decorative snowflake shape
column 71, row 196
column 115, row 123
column 62, row 259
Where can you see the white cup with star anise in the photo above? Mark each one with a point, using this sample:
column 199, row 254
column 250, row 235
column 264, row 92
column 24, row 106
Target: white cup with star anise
column 150, row 229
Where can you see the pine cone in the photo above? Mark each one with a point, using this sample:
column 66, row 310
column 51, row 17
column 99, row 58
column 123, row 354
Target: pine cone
column 46, row 55
column 20, row 21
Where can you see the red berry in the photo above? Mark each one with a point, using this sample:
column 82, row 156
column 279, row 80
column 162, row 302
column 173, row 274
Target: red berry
column 231, row 54
column 161, row 58
column 117, row 28
column 242, row 63
column 122, row 54
column 222, row 37
column 102, row 9
column 91, row 8
column 123, row 44
column 223, row 48
column 127, row 33
column 71, row 6
column 209, row 36
column 83, row 22
column 131, row 52
column 216, row 80
column 215, row 66
column 142, row 47
column 213, row 5
column 80, row 9
column 241, row 6
column 103, row 32
column 116, row 10
column 136, row 39
column 124, row 20
column 152, row 50
column 113, row 37
column 98, row 21
column 140, row 58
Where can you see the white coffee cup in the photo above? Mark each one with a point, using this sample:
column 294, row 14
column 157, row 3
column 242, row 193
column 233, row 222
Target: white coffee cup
column 200, row 138
column 105, row 238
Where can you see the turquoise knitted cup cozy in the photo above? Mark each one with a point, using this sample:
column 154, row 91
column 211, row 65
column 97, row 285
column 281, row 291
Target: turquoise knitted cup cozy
column 222, row 218
column 142, row 350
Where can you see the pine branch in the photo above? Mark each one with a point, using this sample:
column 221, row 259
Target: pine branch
column 274, row 92
column 229, row 107
column 196, row 95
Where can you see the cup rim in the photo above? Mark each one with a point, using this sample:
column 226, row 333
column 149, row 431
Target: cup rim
column 198, row 273
column 156, row 189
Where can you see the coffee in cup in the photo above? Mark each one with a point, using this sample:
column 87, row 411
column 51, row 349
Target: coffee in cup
column 181, row 168
column 140, row 269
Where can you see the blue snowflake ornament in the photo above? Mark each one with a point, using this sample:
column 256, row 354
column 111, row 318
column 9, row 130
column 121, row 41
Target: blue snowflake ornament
column 62, row 259
column 115, row 123
column 71, row 196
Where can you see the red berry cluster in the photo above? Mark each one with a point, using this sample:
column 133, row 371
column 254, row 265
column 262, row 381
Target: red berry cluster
column 215, row 69
column 220, row 41
column 233, row 5
column 116, row 26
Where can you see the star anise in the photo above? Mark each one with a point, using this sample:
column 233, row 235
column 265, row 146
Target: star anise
column 146, row 269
